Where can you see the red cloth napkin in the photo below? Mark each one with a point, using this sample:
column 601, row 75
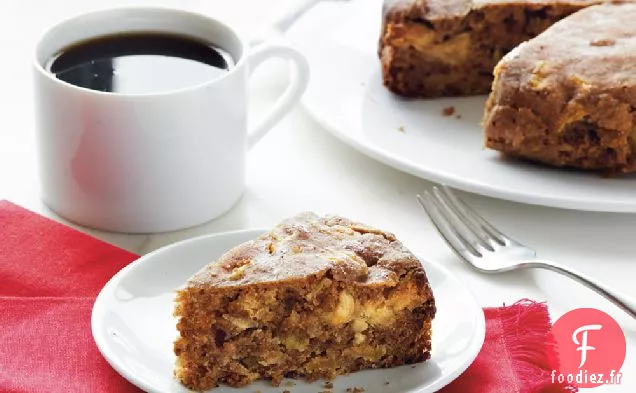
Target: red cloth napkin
column 514, row 355
column 50, row 275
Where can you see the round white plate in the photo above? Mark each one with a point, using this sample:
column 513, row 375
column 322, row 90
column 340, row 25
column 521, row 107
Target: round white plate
column 346, row 96
column 134, row 328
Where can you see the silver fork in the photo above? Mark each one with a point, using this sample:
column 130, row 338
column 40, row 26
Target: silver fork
column 488, row 250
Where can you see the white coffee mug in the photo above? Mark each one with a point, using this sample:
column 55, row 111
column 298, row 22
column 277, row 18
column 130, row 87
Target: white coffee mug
column 147, row 163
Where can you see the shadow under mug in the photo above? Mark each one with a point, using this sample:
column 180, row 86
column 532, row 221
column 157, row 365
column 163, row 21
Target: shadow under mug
column 147, row 163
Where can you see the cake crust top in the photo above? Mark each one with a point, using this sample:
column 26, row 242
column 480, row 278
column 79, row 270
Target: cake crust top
column 433, row 10
column 306, row 245
column 594, row 49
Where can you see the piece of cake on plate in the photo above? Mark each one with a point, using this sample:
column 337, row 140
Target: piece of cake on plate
column 566, row 98
column 437, row 48
column 314, row 298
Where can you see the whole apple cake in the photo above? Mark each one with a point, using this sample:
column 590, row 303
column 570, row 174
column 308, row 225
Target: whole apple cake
column 313, row 298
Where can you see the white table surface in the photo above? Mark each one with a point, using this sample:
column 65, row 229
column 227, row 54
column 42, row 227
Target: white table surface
column 299, row 167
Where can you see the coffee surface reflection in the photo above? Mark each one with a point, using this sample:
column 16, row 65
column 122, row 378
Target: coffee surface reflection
column 140, row 63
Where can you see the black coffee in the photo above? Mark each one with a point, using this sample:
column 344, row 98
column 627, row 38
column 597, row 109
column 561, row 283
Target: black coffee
column 138, row 63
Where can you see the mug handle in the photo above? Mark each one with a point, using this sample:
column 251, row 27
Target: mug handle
column 292, row 94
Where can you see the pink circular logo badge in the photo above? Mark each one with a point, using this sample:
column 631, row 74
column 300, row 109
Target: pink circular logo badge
column 590, row 349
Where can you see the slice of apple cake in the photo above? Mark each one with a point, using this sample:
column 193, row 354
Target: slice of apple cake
column 313, row 298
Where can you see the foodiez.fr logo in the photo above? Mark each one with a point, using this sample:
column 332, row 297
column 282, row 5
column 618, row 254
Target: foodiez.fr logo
column 589, row 349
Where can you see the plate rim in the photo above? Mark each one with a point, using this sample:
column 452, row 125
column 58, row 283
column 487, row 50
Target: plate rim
column 100, row 340
column 393, row 161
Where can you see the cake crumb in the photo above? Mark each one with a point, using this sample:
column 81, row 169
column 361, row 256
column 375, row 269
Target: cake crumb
column 458, row 116
column 290, row 384
column 329, row 385
column 286, row 391
column 355, row 389
column 413, row 366
column 386, row 382
column 448, row 111
column 603, row 42
column 401, row 129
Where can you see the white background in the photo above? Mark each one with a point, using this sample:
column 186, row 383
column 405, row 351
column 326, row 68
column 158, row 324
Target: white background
column 299, row 166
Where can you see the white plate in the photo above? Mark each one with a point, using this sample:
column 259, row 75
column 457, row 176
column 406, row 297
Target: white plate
column 134, row 329
column 347, row 97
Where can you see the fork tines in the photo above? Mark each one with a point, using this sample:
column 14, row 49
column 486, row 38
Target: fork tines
column 462, row 228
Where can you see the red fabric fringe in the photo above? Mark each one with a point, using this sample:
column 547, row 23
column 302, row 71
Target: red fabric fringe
column 526, row 330
column 516, row 352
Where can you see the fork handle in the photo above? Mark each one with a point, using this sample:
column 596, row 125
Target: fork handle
column 623, row 301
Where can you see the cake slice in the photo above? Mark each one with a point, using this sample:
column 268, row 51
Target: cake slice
column 567, row 97
column 313, row 298
column 437, row 48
